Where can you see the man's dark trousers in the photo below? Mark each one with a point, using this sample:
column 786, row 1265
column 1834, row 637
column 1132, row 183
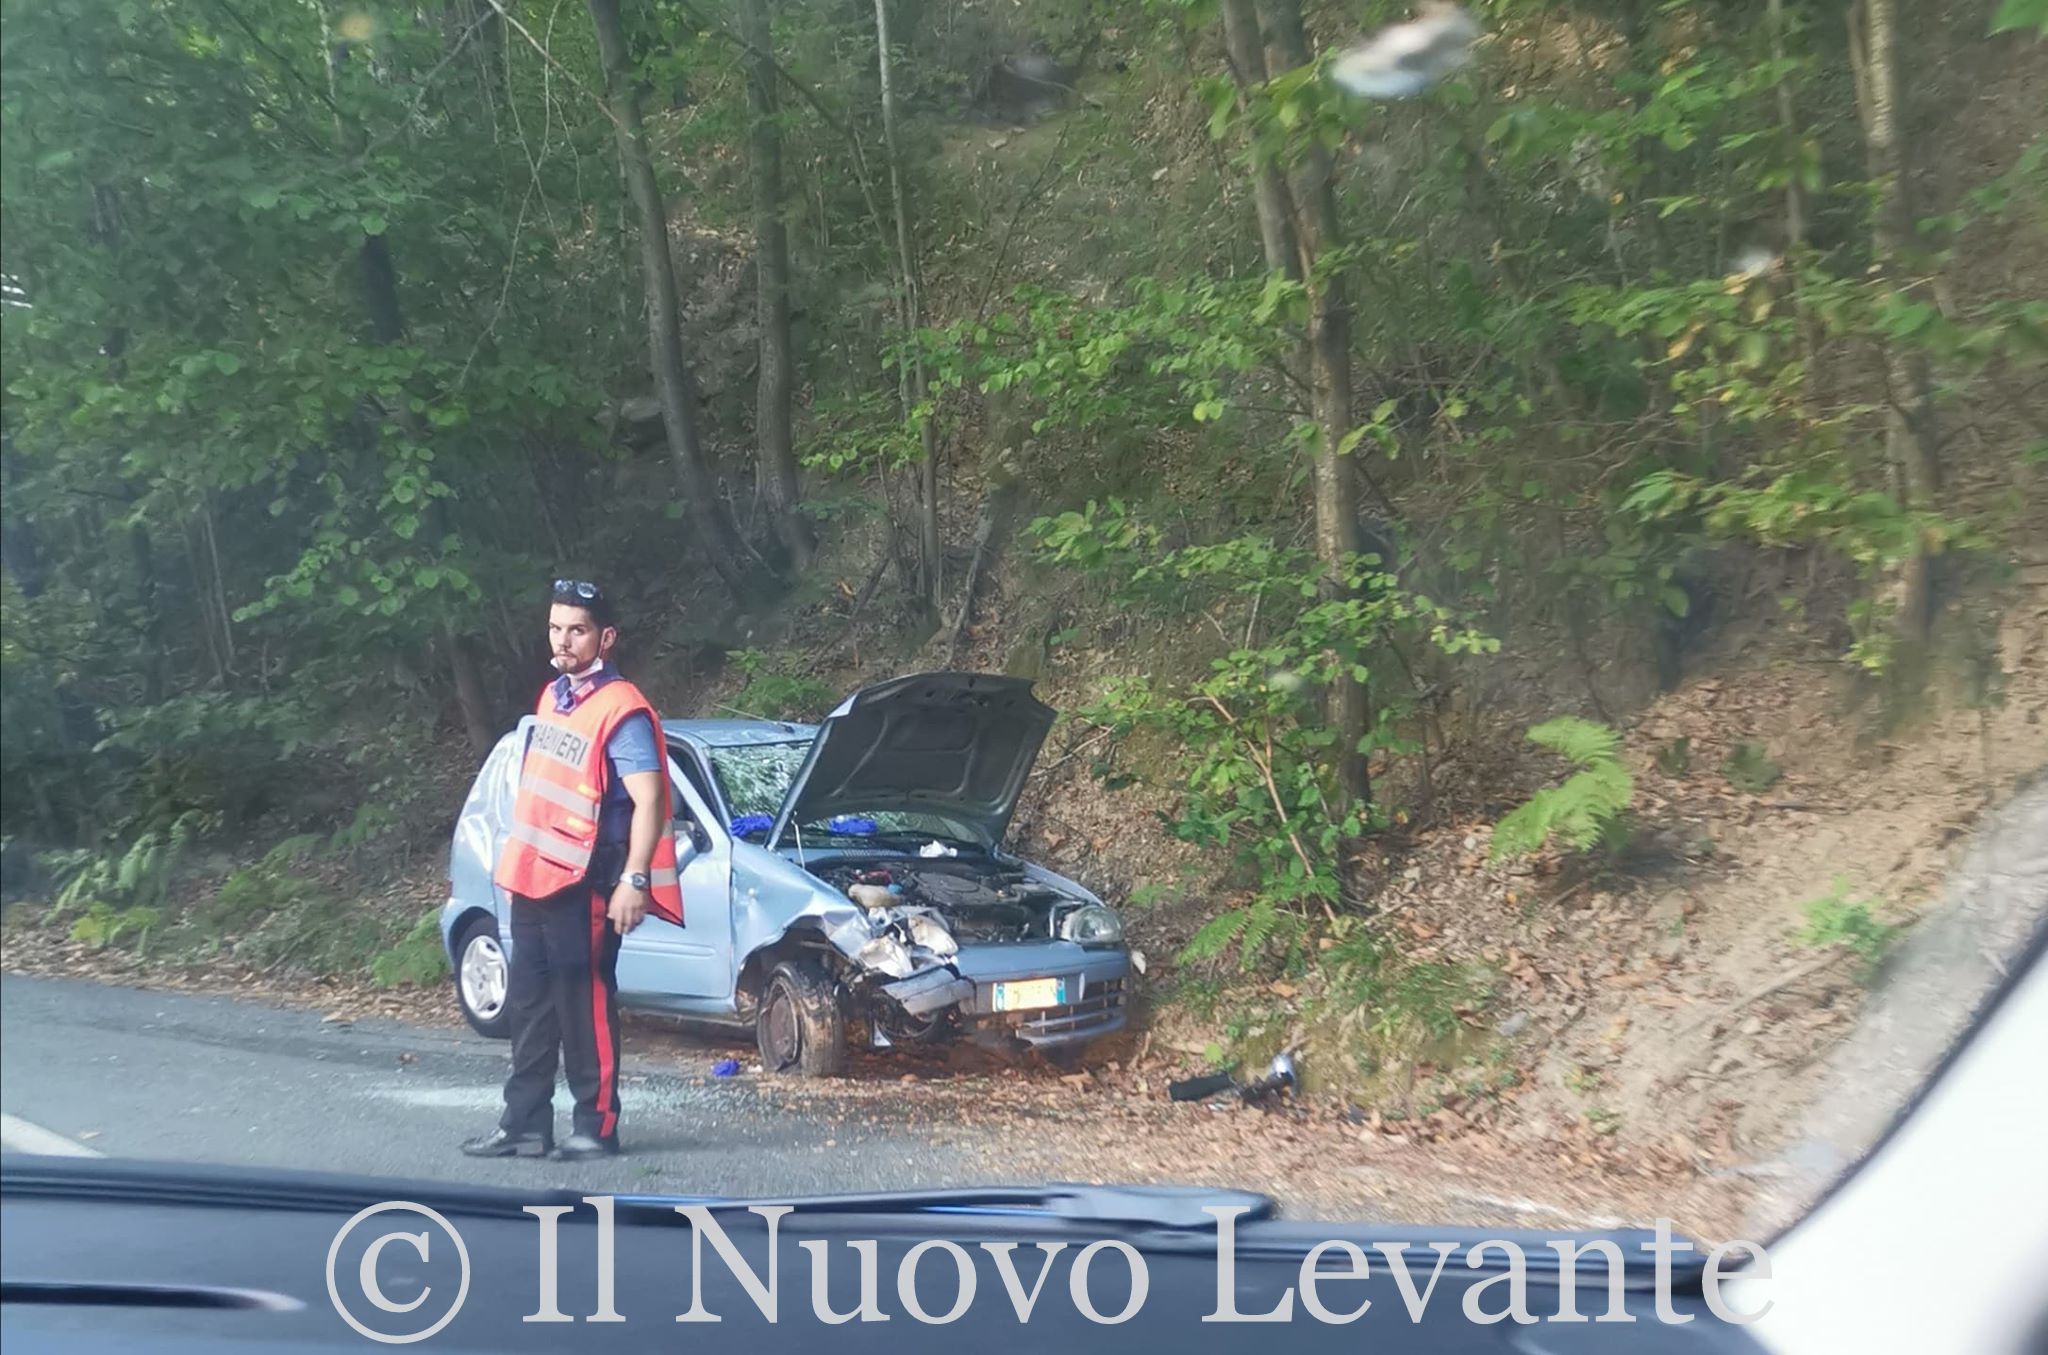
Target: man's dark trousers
column 562, row 999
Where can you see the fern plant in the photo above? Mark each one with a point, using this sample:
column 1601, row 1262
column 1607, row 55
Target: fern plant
column 138, row 876
column 1587, row 809
column 1256, row 928
column 102, row 925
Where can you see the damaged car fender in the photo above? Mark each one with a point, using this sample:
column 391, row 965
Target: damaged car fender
column 773, row 897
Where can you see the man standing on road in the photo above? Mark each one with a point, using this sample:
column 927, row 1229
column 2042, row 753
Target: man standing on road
column 589, row 853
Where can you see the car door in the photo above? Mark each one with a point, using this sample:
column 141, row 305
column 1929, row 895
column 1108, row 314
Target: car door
column 664, row 965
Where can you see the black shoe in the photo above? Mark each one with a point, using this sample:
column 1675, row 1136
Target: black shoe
column 583, row 1147
column 500, row 1143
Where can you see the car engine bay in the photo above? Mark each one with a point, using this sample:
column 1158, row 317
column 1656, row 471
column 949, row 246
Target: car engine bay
column 973, row 901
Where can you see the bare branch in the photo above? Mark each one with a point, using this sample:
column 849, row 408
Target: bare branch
column 549, row 57
column 831, row 119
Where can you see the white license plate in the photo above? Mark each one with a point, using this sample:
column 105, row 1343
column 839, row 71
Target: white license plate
column 1026, row 994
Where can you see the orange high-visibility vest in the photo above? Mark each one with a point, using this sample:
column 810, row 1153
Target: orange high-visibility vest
column 561, row 791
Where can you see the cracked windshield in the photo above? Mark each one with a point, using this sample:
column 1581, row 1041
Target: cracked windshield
column 1437, row 613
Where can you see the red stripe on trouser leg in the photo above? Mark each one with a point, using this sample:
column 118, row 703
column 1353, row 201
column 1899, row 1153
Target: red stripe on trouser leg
column 600, row 1020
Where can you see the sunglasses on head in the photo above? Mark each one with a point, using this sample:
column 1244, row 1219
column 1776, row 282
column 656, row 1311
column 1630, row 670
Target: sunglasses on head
column 577, row 588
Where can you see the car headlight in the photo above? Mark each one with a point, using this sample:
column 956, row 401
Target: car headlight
column 1093, row 925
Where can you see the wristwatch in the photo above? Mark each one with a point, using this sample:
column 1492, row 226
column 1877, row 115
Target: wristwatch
column 638, row 879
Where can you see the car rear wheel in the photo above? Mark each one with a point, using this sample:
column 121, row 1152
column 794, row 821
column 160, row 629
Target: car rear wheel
column 801, row 1023
column 481, row 976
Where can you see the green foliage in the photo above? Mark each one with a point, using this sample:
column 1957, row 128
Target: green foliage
column 1254, row 771
column 1749, row 768
column 102, row 925
column 1587, row 809
column 773, row 693
column 2020, row 15
column 1407, row 1000
column 1215, row 936
column 1836, row 919
column 134, row 879
column 1432, row 994
column 369, row 824
column 252, row 896
column 415, row 960
column 253, row 502
column 276, row 916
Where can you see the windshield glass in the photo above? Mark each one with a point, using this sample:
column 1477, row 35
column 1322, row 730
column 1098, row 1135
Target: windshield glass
column 756, row 778
column 1496, row 550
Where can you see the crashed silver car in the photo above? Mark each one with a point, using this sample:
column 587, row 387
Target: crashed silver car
column 844, row 885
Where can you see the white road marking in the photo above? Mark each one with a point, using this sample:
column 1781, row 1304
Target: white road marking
column 19, row 1136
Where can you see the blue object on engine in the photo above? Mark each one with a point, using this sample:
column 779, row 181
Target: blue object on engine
column 748, row 824
column 852, row 825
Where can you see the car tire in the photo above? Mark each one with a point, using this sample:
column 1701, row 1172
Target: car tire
column 481, row 975
column 800, row 1024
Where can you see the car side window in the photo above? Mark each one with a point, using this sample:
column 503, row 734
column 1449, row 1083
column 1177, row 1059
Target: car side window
column 692, row 806
column 693, row 775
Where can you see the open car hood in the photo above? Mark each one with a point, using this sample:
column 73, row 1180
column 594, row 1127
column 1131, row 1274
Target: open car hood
column 954, row 745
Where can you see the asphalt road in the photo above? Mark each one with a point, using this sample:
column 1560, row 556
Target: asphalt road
column 135, row 1073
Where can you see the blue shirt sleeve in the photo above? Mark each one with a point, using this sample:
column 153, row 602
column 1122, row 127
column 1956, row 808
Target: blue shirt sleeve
column 632, row 747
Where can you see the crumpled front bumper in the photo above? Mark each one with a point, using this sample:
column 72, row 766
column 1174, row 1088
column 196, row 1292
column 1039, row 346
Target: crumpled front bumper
column 932, row 991
column 1095, row 977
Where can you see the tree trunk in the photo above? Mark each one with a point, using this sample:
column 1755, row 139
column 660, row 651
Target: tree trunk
column 79, row 727
column 155, row 661
column 930, row 561
column 20, row 551
column 1269, row 191
column 1319, row 231
column 1911, row 443
column 469, row 691
column 724, row 547
column 387, row 326
column 1795, row 219
column 776, row 479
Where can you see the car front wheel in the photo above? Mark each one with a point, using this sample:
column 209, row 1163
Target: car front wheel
column 481, row 974
column 801, row 1024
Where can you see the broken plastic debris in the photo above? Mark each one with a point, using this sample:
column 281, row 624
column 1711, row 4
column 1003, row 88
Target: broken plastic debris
column 725, row 1068
column 886, row 953
column 930, row 933
column 1280, row 1075
column 934, row 990
column 1405, row 59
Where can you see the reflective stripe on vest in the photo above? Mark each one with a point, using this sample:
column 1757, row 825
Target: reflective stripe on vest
column 552, row 846
column 568, row 799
